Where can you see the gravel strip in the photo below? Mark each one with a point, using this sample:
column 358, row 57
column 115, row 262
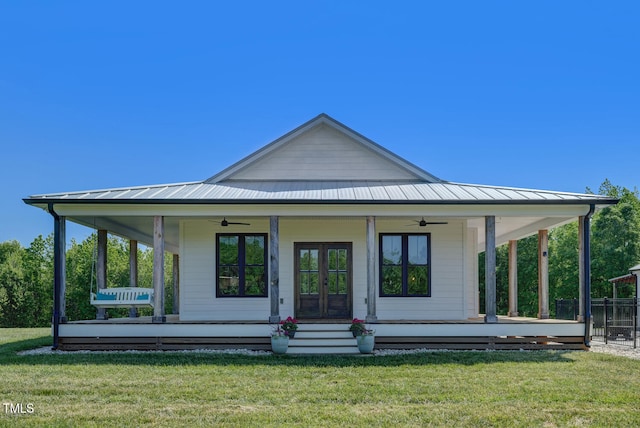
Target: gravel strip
column 619, row 350
column 46, row 350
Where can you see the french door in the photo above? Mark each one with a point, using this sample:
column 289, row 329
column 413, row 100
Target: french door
column 323, row 280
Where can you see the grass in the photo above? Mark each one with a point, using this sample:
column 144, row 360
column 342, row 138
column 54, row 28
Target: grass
column 513, row 389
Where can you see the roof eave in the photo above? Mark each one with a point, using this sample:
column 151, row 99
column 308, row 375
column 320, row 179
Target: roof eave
column 45, row 201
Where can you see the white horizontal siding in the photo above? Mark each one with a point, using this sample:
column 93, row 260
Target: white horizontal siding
column 447, row 277
column 472, row 281
column 449, row 300
column 198, row 299
column 323, row 153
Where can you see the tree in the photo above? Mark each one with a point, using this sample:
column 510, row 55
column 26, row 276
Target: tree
column 615, row 240
column 25, row 278
column 80, row 261
column 38, row 263
column 564, row 259
column 13, row 297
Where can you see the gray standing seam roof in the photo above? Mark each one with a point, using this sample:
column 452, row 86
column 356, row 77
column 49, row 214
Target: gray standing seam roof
column 320, row 191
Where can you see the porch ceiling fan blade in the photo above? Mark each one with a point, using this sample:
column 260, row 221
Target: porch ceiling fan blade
column 422, row 222
column 225, row 222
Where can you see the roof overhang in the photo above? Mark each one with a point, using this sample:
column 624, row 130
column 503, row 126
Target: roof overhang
column 134, row 219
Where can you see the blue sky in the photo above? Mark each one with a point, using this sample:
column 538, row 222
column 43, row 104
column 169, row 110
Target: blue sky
column 93, row 95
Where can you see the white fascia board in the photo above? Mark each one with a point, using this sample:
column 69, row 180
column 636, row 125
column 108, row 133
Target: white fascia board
column 207, row 210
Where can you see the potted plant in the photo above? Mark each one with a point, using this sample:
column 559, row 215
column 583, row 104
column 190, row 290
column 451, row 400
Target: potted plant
column 366, row 341
column 357, row 327
column 279, row 341
column 290, row 325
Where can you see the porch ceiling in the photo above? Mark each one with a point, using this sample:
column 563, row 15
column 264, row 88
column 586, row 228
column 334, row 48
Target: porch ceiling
column 515, row 228
column 140, row 228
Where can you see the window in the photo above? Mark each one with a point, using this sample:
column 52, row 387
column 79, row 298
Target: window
column 241, row 264
column 405, row 265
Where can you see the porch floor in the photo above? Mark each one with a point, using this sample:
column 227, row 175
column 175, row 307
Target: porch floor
column 175, row 319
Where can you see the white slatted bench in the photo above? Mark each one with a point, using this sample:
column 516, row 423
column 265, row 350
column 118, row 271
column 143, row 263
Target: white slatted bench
column 122, row 297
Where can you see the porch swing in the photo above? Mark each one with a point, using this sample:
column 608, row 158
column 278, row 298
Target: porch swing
column 117, row 297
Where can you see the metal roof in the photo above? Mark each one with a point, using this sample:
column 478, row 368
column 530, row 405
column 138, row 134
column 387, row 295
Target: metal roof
column 321, row 192
column 223, row 188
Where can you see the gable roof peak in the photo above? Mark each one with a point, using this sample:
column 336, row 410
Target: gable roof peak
column 342, row 135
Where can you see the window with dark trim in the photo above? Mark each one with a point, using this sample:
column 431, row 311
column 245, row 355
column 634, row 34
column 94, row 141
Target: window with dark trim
column 241, row 265
column 405, row 265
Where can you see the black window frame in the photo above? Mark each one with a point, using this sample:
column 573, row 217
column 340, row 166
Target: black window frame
column 404, row 264
column 242, row 265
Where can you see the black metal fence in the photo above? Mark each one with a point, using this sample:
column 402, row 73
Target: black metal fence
column 615, row 321
column 567, row 309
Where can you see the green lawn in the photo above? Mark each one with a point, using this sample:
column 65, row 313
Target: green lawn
column 450, row 389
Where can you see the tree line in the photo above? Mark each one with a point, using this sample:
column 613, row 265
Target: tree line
column 26, row 274
column 26, row 279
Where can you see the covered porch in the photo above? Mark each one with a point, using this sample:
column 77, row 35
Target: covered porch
column 484, row 330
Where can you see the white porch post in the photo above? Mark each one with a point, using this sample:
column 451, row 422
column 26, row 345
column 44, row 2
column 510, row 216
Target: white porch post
column 371, row 270
column 158, row 270
column 580, row 317
column 176, row 284
column 513, row 278
column 274, row 269
column 490, row 270
column 543, row 274
column 101, row 270
column 133, row 272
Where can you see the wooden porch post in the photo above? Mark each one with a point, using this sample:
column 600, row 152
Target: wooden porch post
column 580, row 317
column 490, row 270
column 158, row 270
column 543, row 274
column 101, row 270
column 371, row 270
column 133, row 272
column 274, row 269
column 513, row 278
column 176, row 284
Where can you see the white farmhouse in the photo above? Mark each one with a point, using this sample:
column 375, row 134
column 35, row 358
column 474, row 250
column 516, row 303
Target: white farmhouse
column 323, row 225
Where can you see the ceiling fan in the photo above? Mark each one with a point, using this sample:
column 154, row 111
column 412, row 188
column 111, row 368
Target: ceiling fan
column 225, row 222
column 422, row 222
